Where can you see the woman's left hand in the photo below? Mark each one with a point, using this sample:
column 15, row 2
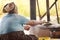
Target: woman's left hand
column 26, row 27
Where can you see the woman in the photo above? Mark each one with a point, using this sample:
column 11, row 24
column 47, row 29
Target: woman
column 12, row 24
column 12, row 21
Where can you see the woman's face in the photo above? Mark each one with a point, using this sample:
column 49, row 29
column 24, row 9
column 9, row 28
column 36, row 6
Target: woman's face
column 9, row 7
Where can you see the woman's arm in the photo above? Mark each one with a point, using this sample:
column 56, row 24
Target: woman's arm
column 34, row 22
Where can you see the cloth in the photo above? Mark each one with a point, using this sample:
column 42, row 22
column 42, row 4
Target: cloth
column 39, row 31
column 12, row 22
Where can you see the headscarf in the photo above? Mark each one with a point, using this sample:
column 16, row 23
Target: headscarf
column 10, row 8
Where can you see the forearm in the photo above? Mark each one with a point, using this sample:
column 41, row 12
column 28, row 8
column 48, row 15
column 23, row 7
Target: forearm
column 31, row 22
column 34, row 22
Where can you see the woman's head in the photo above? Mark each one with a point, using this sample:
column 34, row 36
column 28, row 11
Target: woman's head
column 10, row 8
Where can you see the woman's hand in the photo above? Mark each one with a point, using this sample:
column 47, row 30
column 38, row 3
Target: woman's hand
column 38, row 22
column 27, row 27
